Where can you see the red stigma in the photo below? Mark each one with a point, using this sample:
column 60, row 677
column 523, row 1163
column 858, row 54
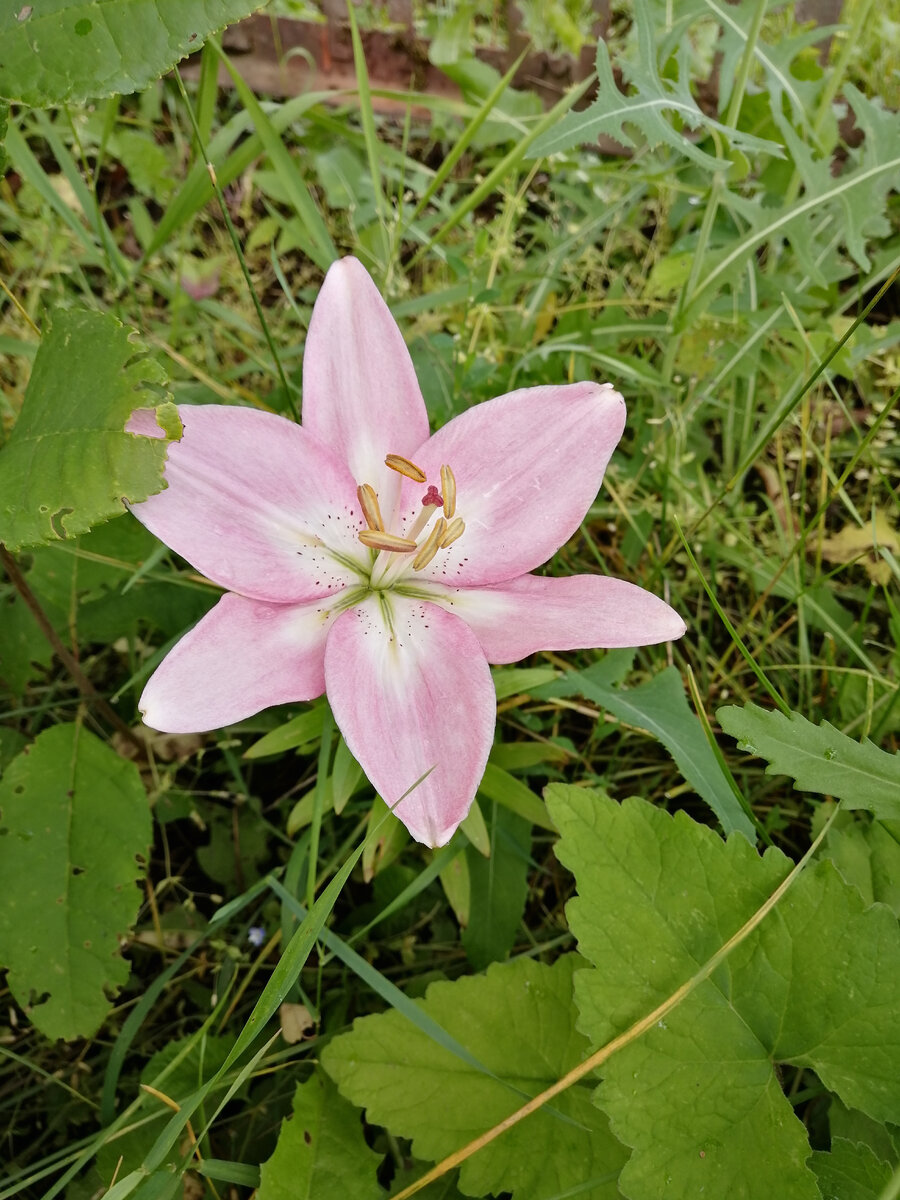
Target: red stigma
column 432, row 496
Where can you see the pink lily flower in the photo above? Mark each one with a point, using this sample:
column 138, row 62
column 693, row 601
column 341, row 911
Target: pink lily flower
column 366, row 559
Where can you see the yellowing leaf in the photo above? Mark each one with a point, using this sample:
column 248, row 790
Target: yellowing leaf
column 855, row 542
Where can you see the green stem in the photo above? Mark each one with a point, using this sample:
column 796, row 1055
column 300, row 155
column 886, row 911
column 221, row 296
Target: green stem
column 232, row 233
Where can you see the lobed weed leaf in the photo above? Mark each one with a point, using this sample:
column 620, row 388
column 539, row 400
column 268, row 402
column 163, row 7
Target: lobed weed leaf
column 518, row 1020
column 819, row 758
column 814, row 984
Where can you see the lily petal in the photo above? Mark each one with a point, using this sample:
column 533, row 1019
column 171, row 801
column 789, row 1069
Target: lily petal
column 243, row 656
column 257, row 504
column 360, row 393
column 533, row 613
column 527, row 466
column 411, row 690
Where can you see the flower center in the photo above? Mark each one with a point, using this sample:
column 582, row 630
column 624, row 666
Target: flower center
column 443, row 533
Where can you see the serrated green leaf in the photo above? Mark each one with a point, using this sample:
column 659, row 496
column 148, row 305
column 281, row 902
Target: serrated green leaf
column 69, row 464
column 867, row 855
column 55, row 51
column 518, row 1020
column 819, row 758
column 816, row 984
column 648, row 108
column 851, row 1172
column 74, row 823
column 660, row 706
column 321, row 1150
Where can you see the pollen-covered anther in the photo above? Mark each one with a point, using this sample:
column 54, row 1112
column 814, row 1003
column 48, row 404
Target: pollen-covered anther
column 454, row 530
column 398, row 463
column 378, row 539
column 431, row 545
column 448, row 487
column 368, row 502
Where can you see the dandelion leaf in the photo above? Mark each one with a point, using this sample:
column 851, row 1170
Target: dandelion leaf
column 516, row 1020
column 69, row 464
column 321, row 1150
column 656, row 111
column 74, row 826
column 57, row 51
column 816, row 984
column 819, row 758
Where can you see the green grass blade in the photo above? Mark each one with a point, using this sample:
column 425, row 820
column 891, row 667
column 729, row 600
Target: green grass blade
column 318, row 243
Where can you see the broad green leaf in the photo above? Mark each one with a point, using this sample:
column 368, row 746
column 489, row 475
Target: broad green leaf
column 816, row 984
column 69, row 464
column 851, row 1171
column 23, row 647
column 867, row 855
column 517, row 1019
column 55, row 51
column 498, row 889
column 661, row 707
column 819, row 758
column 321, row 1150
column 74, row 825
column 648, row 108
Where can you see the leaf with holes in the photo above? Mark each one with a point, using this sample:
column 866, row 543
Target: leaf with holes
column 816, row 984
column 74, row 825
column 321, row 1150
column 56, row 51
column 69, row 464
column 517, row 1023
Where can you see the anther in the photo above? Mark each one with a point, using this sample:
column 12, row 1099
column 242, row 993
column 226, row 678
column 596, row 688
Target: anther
column 430, row 546
column 398, row 463
column 455, row 529
column 368, row 502
column 379, row 540
column 448, row 487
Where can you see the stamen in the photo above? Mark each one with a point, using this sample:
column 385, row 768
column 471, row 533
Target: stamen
column 398, row 463
column 379, row 540
column 448, row 487
column 432, row 498
column 455, row 529
column 430, row 546
column 368, row 502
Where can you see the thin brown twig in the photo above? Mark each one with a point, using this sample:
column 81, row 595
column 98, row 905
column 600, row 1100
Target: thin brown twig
column 65, row 656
